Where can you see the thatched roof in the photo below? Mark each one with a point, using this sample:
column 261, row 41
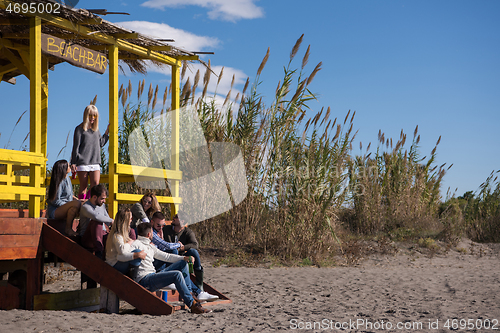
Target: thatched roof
column 14, row 31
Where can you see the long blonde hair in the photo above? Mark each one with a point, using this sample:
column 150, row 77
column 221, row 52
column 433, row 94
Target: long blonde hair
column 90, row 109
column 121, row 226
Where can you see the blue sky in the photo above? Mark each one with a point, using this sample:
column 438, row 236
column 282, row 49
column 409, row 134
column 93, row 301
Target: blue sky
column 399, row 64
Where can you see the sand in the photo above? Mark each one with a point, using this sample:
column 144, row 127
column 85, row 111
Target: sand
column 410, row 291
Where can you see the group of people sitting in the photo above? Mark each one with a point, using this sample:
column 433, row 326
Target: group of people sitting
column 139, row 243
column 154, row 254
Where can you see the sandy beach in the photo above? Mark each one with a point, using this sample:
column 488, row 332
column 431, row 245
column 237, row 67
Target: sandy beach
column 404, row 292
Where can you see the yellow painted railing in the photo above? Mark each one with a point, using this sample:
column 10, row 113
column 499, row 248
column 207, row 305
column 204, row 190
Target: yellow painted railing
column 146, row 174
column 14, row 187
column 126, row 175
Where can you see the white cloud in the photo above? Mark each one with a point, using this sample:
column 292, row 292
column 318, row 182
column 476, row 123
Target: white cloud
column 227, row 10
column 217, row 92
column 183, row 39
column 221, row 89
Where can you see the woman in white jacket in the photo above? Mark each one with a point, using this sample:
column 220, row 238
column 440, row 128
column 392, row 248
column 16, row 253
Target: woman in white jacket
column 119, row 252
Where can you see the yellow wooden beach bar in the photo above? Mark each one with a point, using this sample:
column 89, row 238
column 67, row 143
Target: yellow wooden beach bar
column 35, row 37
column 31, row 43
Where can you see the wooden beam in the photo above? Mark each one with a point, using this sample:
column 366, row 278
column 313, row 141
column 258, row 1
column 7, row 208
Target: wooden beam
column 44, row 110
column 9, row 296
column 12, row 197
column 160, row 47
column 133, row 35
column 27, row 36
column 69, row 300
column 175, row 141
column 14, row 178
column 34, row 278
column 187, row 57
column 35, row 112
column 15, row 21
column 17, row 213
column 22, row 159
column 19, row 241
column 25, row 56
column 91, row 21
column 16, row 61
column 7, row 69
column 12, row 35
column 135, row 170
column 113, row 129
column 29, row 190
column 19, row 225
column 9, row 44
column 15, row 253
column 132, row 198
column 98, row 47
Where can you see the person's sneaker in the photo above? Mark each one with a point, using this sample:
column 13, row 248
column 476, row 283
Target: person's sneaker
column 198, row 309
column 206, row 297
column 171, row 286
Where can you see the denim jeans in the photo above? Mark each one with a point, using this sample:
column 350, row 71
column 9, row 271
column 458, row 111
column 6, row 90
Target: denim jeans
column 175, row 274
column 123, row 266
column 182, row 266
column 193, row 253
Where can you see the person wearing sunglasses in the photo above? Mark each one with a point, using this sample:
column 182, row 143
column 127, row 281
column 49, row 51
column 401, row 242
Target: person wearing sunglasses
column 178, row 232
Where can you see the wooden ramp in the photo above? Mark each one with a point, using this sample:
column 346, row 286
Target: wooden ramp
column 120, row 285
column 98, row 270
column 22, row 245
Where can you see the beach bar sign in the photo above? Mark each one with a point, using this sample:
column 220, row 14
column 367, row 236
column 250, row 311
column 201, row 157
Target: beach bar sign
column 74, row 54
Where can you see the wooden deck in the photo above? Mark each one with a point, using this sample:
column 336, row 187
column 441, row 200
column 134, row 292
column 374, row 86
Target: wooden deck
column 23, row 242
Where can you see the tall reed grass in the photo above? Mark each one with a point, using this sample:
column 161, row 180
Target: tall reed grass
column 395, row 190
column 479, row 212
column 296, row 167
column 308, row 195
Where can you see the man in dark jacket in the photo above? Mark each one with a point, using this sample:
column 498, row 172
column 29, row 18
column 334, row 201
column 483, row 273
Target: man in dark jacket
column 179, row 232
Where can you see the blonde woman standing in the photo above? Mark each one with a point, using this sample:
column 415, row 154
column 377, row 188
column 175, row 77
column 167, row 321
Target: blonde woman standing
column 119, row 253
column 86, row 154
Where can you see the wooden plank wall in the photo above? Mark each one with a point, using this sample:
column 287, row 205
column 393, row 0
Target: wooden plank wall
column 19, row 238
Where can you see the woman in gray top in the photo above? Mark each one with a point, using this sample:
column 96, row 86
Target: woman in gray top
column 143, row 210
column 86, row 154
column 61, row 203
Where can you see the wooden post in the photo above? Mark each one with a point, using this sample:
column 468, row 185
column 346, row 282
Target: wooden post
column 10, row 174
column 175, row 141
column 113, row 130
column 109, row 301
column 44, row 109
column 34, row 278
column 35, row 109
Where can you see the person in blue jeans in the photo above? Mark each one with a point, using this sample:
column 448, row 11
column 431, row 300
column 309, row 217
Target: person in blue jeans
column 157, row 223
column 179, row 232
column 176, row 273
column 119, row 252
